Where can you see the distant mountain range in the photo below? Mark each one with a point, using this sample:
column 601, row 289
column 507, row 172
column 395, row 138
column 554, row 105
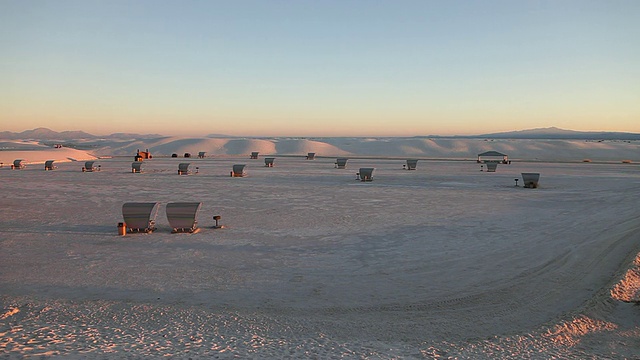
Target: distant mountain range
column 51, row 135
column 556, row 133
column 44, row 134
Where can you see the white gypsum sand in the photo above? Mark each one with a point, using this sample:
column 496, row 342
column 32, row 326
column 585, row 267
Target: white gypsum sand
column 35, row 154
column 444, row 261
column 430, row 148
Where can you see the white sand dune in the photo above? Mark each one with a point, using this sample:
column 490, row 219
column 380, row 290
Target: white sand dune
column 20, row 145
column 221, row 146
column 305, row 146
column 436, row 148
column 211, row 146
column 445, row 261
column 547, row 150
column 171, row 145
column 34, row 153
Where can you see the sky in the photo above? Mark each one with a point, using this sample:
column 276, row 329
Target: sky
column 319, row 68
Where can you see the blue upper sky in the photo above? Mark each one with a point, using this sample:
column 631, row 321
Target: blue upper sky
column 319, row 68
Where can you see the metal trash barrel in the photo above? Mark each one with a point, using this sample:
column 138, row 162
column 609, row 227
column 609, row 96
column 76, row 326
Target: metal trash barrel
column 122, row 229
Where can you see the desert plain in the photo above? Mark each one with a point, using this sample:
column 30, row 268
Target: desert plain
column 446, row 261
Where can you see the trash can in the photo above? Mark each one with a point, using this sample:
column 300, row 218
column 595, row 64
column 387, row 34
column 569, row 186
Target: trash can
column 122, row 229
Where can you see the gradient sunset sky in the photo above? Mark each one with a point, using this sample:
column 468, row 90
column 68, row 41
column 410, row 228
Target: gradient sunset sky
column 319, row 68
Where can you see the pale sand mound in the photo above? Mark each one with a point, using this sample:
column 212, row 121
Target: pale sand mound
column 304, row 146
column 628, row 289
column 163, row 146
column 549, row 150
column 193, row 146
column 20, row 145
column 436, row 148
column 247, row 146
column 222, row 146
column 34, row 153
column 180, row 146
